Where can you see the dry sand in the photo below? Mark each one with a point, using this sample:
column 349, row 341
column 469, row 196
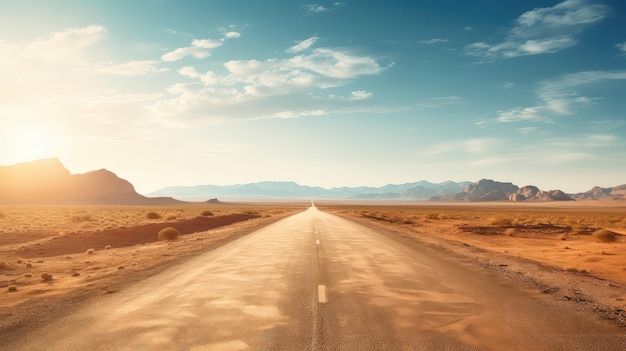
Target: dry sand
column 550, row 245
column 94, row 260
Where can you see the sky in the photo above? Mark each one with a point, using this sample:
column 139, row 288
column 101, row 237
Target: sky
column 348, row 93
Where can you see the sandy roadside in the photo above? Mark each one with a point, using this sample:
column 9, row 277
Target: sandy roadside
column 84, row 277
column 599, row 296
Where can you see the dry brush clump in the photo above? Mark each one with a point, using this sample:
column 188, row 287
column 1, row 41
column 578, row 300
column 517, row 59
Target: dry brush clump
column 605, row 236
column 91, row 251
column 46, row 276
column 207, row 213
column 168, row 233
column 153, row 215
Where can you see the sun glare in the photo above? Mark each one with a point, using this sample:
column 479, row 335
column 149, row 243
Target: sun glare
column 28, row 144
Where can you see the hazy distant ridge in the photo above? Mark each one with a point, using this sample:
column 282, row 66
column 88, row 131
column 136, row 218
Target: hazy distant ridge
column 409, row 191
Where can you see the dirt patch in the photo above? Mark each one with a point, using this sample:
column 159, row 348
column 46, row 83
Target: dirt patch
column 123, row 237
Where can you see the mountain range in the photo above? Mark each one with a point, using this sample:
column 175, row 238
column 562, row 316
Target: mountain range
column 49, row 182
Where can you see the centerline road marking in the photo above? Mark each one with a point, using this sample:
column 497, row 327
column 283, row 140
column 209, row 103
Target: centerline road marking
column 321, row 294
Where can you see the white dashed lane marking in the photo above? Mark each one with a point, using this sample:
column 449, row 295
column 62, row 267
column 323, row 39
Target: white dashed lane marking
column 321, row 294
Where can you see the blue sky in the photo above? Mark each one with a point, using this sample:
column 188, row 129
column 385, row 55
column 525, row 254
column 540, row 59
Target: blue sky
column 321, row 93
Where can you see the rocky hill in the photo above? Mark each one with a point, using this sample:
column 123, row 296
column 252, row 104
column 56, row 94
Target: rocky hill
column 48, row 182
column 490, row 190
column 598, row 193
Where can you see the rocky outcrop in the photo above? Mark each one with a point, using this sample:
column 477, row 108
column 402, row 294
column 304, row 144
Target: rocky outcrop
column 489, row 190
column 48, row 182
column 598, row 193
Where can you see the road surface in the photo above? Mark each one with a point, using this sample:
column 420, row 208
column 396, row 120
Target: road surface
column 315, row 281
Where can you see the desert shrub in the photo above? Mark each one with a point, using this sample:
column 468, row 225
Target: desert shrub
column 153, row 215
column 108, row 247
column 46, row 276
column 81, row 218
column 91, row 251
column 207, row 213
column 170, row 218
column 604, row 236
column 168, row 233
column 432, row 216
column 509, row 232
column 500, row 221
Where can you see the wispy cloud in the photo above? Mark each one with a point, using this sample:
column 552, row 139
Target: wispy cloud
column 360, row 95
column 543, row 30
column 132, row 68
column 200, row 48
column 468, row 28
column 64, row 47
column 318, row 8
column 433, row 41
column 440, row 101
column 302, row 46
column 560, row 97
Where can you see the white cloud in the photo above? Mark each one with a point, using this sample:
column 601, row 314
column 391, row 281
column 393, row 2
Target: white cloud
column 433, row 41
column 232, row 35
column 198, row 49
column 468, row 28
column 317, row 8
column 254, row 88
column 188, row 71
column 360, row 95
column 528, row 130
column 132, row 68
column 303, row 45
column 560, row 97
column 543, row 30
column 65, row 47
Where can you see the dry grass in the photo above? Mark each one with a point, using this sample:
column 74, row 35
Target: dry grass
column 168, row 233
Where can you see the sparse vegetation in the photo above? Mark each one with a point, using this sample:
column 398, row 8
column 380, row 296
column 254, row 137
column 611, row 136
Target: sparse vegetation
column 605, row 236
column 46, row 276
column 82, row 218
column 153, row 215
column 500, row 221
column 91, row 251
column 168, row 233
column 207, row 213
column 108, row 247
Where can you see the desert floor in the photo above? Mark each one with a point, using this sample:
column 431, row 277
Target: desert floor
column 573, row 252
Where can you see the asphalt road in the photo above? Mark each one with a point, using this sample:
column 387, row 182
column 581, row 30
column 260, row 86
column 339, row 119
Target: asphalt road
column 315, row 281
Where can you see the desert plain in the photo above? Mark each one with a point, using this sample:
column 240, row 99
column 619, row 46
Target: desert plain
column 54, row 259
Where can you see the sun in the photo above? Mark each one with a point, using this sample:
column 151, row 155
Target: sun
column 25, row 144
